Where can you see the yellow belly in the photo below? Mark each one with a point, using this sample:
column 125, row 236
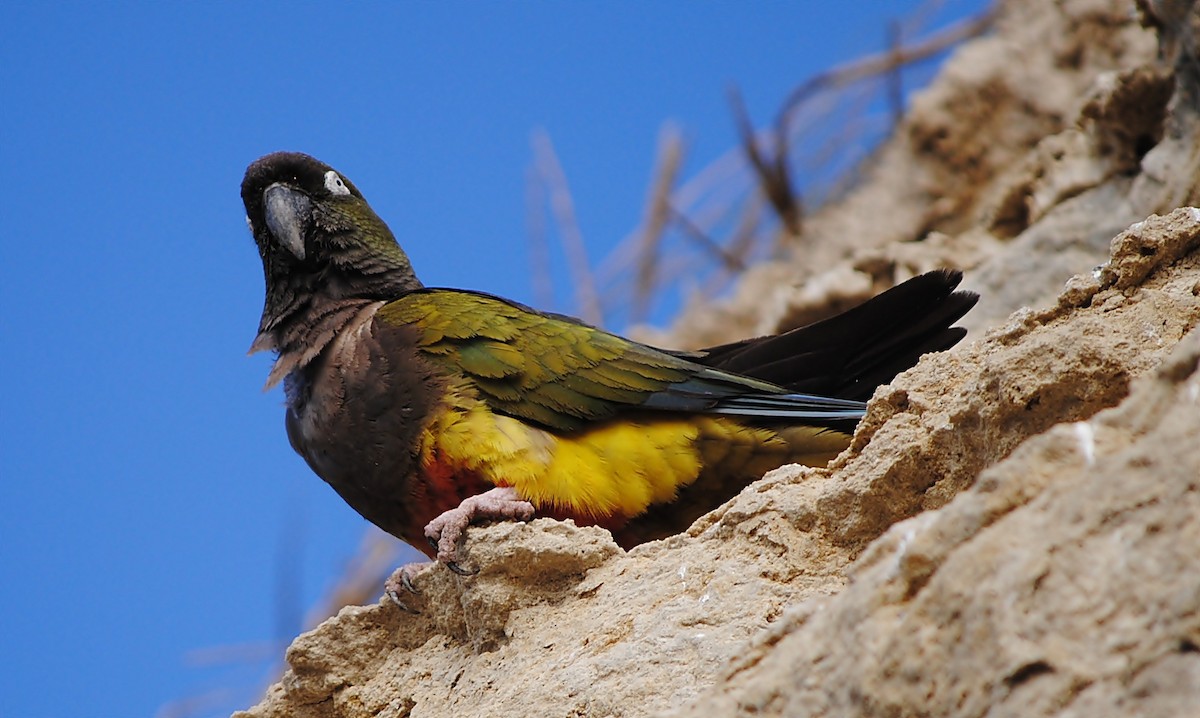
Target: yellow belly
column 618, row 468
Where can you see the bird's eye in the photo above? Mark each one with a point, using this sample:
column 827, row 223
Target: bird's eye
column 334, row 183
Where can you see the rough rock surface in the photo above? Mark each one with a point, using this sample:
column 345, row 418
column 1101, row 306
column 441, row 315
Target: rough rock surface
column 1015, row 528
column 1066, row 582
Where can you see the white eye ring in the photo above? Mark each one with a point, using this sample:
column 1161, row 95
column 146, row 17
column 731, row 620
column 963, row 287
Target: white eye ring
column 334, row 183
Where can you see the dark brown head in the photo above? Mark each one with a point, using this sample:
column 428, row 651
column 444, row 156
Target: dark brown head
column 320, row 243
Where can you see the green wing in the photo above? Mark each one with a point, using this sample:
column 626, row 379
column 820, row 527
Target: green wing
column 557, row 372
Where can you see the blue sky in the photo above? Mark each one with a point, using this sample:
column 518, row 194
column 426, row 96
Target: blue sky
column 148, row 488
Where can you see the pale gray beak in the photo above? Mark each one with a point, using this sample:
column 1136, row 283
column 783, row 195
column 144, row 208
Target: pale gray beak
column 286, row 210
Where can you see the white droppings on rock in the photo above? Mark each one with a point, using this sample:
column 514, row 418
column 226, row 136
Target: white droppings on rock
column 1087, row 441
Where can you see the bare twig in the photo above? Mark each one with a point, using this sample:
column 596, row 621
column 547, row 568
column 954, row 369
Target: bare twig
column 563, row 209
column 895, row 78
column 289, row 571
column 840, row 147
column 745, row 235
column 714, row 190
column 207, row 703
column 772, row 169
column 655, row 218
column 362, row 580
column 539, row 246
column 877, row 64
column 747, row 229
column 773, row 175
column 717, row 197
column 235, row 653
column 730, row 261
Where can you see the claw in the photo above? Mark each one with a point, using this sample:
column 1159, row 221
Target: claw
column 453, row 566
column 395, row 597
column 400, row 584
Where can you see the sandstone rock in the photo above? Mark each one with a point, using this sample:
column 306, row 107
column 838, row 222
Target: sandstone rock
column 1065, row 582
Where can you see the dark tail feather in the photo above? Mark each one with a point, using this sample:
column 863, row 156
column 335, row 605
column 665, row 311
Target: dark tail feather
column 847, row 356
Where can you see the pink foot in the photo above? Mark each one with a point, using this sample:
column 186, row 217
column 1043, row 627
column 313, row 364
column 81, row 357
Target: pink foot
column 400, row 583
column 446, row 531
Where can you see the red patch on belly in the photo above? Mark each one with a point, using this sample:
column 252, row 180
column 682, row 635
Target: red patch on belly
column 445, row 486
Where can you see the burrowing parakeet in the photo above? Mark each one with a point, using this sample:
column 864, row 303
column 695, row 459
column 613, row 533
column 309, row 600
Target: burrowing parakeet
column 429, row 408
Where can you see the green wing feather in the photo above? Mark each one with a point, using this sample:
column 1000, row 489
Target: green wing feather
column 562, row 374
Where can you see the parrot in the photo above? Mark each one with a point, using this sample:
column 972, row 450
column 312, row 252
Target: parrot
column 431, row 409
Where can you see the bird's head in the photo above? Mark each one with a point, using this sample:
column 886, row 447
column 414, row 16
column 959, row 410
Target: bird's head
column 319, row 240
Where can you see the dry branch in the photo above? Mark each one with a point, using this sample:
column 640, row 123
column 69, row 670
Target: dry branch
column 656, row 216
column 562, row 206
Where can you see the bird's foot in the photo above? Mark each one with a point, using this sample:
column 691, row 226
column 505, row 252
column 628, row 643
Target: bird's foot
column 401, row 583
column 446, row 531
